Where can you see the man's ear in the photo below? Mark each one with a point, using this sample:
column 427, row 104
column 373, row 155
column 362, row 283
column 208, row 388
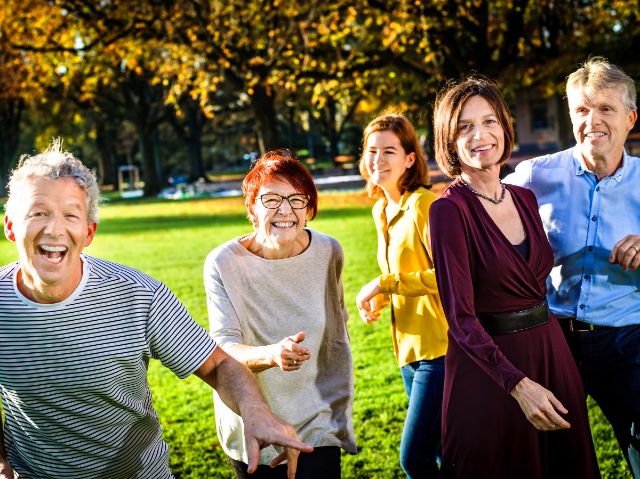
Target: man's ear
column 91, row 232
column 8, row 229
column 633, row 116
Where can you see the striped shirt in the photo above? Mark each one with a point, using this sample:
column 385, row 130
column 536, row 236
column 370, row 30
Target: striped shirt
column 74, row 374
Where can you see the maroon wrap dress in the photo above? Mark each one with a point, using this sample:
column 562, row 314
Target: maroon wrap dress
column 485, row 433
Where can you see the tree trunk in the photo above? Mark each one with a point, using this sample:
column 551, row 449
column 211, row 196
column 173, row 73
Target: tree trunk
column 195, row 119
column 10, row 115
column 150, row 174
column 108, row 155
column 194, row 152
column 264, row 110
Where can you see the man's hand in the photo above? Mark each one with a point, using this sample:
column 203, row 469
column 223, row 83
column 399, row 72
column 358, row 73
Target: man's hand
column 288, row 355
column 237, row 387
column 540, row 406
column 626, row 252
column 262, row 428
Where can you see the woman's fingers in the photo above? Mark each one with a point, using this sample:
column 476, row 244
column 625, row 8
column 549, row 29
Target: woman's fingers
column 369, row 317
column 540, row 406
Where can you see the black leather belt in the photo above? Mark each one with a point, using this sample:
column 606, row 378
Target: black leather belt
column 577, row 326
column 505, row 323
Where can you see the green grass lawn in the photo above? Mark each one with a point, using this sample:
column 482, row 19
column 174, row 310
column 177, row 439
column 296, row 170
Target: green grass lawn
column 170, row 240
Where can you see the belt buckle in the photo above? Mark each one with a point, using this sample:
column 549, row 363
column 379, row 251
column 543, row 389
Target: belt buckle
column 576, row 326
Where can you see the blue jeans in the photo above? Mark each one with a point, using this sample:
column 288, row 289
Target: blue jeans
column 421, row 438
column 609, row 362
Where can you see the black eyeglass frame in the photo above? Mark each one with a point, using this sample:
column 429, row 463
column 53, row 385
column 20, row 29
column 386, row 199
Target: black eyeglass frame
column 282, row 198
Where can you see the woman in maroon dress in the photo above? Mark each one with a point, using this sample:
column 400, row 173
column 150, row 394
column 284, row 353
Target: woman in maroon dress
column 513, row 400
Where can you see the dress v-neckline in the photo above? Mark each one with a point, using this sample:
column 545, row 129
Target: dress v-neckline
column 498, row 232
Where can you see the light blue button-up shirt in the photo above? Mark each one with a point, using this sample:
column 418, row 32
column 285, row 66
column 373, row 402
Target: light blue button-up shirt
column 584, row 218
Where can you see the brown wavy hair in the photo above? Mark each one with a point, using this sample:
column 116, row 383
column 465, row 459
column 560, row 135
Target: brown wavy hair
column 415, row 176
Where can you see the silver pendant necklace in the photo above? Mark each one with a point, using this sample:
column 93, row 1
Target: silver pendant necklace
column 482, row 195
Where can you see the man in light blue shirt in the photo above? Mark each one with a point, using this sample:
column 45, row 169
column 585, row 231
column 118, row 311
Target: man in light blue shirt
column 589, row 201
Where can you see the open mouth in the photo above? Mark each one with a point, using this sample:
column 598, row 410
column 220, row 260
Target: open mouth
column 480, row 149
column 283, row 224
column 54, row 254
column 595, row 134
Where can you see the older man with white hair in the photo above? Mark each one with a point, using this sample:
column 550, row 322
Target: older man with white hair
column 589, row 199
column 76, row 337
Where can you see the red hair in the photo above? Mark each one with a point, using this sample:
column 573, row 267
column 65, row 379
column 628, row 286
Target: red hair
column 279, row 165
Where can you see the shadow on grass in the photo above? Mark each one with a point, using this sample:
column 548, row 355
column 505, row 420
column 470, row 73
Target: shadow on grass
column 127, row 225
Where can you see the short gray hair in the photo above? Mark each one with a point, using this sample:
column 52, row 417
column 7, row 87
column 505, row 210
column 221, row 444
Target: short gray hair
column 55, row 163
column 598, row 74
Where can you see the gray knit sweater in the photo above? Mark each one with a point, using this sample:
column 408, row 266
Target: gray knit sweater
column 256, row 301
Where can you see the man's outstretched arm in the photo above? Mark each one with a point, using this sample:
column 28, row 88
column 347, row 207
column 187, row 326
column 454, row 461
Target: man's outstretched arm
column 239, row 390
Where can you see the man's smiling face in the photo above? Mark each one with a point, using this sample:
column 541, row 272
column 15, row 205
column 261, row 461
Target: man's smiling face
column 601, row 122
column 50, row 226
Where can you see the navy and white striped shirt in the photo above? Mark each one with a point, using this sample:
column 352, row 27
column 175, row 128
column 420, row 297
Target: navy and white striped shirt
column 74, row 374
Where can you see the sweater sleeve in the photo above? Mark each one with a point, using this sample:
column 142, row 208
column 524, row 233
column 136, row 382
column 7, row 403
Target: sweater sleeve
column 450, row 241
column 224, row 323
column 340, row 286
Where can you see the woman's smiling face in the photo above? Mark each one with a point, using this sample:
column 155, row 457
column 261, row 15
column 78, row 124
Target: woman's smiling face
column 386, row 160
column 282, row 225
column 480, row 137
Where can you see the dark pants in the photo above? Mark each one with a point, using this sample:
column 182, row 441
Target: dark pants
column 322, row 463
column 609, row 362
column 421, row 436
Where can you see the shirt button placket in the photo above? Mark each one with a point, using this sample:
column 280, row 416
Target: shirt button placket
column 592, row 229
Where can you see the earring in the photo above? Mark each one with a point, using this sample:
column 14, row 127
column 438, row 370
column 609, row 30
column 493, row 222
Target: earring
column 305, row 222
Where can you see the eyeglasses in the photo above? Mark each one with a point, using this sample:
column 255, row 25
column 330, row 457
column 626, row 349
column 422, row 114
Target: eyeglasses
column 273, row 201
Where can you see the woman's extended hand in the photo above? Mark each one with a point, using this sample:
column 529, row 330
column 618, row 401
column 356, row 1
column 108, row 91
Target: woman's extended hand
column 288, row 354
column 370, row 301
column 540, row 406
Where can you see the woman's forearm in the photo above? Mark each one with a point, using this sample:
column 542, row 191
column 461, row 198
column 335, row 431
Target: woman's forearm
column 256, row 358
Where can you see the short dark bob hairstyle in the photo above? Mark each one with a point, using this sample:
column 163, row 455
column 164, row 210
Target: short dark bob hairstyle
column 279, row 165
column 446, row 115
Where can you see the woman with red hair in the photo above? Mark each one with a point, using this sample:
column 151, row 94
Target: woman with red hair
column 276, row 304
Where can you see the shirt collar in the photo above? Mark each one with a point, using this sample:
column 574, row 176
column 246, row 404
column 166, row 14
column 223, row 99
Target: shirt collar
column 404, row 201
column 403, row 204
column 581, row 168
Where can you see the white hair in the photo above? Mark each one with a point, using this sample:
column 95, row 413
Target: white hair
column 55, row 163
column 598, row 74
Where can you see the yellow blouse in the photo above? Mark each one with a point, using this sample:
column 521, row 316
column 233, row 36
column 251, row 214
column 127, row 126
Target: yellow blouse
column 418, row 322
